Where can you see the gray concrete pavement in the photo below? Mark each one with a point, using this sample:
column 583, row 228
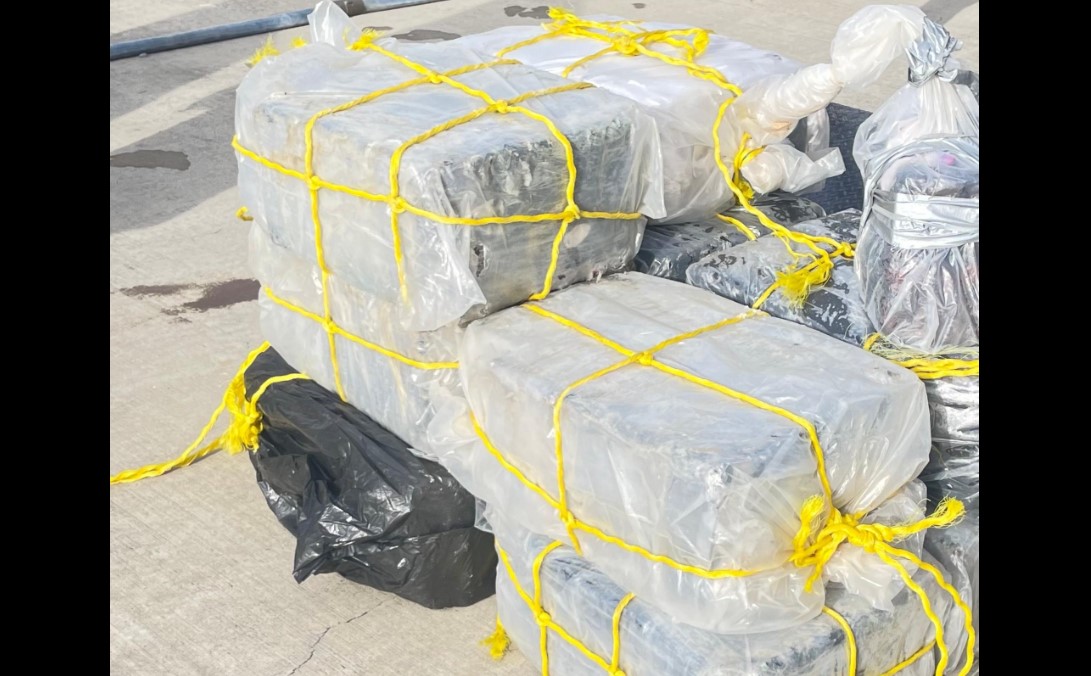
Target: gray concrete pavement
column 199, row 568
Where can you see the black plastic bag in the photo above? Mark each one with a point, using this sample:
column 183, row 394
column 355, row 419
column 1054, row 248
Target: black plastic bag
column 360, row 503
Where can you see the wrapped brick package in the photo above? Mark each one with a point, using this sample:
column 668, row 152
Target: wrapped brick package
column 743, row 273
column 393, row 393
column 669, row 249
column 580, row 598
column 684, row 106
column 680, row 469
column 497, row 165
column 359, row 503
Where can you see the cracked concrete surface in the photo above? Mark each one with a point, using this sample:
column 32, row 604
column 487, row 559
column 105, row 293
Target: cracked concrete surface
column 200, row 570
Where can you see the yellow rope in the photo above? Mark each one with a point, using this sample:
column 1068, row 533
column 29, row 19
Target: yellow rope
column 241, row 433
column 738, row 225
column 927, row 367
column 497, row 642
column 243, row 214
column 925, row 649
column 267, row 49
column 850, row 637
column 334, row 328
column 615, row 630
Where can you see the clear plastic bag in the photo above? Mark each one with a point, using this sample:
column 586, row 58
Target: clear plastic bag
column 957, row 549
column 497, row 165
column 582, row 599
column 917, row 257
column 673, row 467
column 685, row 109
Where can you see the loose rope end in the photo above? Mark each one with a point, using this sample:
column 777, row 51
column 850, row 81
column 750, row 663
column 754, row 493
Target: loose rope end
column 367, row 37
column 243, row 214
column 265, row 50
column 497, row 642
column 797, row 283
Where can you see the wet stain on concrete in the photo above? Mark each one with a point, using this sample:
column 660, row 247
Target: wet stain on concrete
column 421, row 34
column 151, row 159
column 225, row 294
column 213, row 296
column 157, row 290
column 639, row 5
column 539, row 12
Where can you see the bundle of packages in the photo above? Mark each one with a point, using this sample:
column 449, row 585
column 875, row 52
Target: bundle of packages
column 439, row 183
column 605, row 628
column 669, row 249
column 359, row 503
column 683, row 76
column 382, row 369
column 673, row 430
column 917, row 257
column 749, row 273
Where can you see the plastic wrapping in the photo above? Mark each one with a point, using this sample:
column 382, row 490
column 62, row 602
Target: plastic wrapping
column 668, row 249
column 918, row 254
column 743, row 273
column 359, row 503
column 582, row 599
column 865, row 44
column 394, row 394
column 956, row 548
column 952, row 470
column 685, row 108
column 497, row 165
column 679, row 469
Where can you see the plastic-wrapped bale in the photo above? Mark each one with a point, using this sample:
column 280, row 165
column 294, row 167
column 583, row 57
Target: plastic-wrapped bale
column 582, row 599
column 497, row 166
column 675, row 467
column 392, row 392
column 952, row 470
column 669, row 249
column 744, row 272
column 917, row 257
column 359, row 502
column 956, row 548
column 684, row 106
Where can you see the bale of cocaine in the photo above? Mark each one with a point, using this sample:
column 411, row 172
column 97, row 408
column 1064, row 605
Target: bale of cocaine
column 494, row 166
column 582, row 599
column 669, row 249
column 955, row 407
column 675, row 467
column 744, row 272
column 359, row 503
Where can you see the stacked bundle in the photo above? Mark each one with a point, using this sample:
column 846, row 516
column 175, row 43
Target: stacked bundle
column 393, row 203
column 741, row 474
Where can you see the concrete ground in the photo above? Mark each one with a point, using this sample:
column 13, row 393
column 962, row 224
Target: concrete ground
column 199, row 568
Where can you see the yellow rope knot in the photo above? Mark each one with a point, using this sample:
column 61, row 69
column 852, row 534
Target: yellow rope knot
column 644, row 358
column 626, row 46
column 434, row 78
column 502, row 107
column 816, row 544
column 398, row 205
column 572, row 213
column 542, row 618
